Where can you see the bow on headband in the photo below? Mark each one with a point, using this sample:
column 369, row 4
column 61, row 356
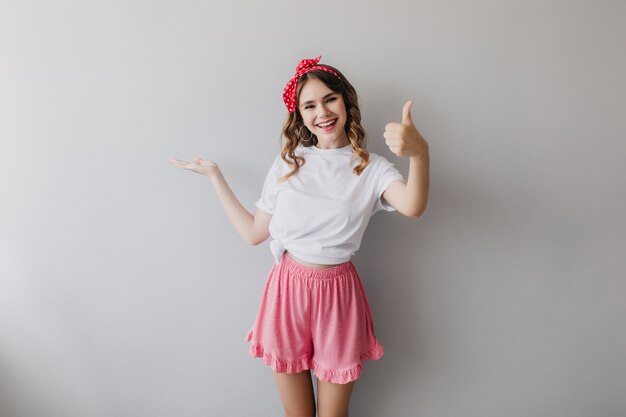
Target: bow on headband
column 306, row 65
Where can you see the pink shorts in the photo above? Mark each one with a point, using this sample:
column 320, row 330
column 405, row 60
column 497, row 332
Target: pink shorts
column 316, row 319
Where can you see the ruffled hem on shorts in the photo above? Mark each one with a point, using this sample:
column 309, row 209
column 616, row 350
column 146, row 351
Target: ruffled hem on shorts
column 341, row 376
column 344, row 376
column 279, row 365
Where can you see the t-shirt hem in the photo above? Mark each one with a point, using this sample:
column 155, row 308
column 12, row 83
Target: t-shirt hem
column 263, row 207
column 386, row 185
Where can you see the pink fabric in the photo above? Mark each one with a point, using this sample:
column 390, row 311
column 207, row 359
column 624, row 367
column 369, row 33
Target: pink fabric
column 316, row 319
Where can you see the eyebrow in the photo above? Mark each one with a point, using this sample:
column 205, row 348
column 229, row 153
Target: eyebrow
column 323, row 98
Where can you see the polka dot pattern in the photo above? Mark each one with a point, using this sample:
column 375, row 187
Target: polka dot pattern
column 306, row 65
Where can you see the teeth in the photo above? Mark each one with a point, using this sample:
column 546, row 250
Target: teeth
column 326, row 124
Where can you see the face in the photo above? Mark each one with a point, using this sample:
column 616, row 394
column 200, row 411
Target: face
column 324, row 113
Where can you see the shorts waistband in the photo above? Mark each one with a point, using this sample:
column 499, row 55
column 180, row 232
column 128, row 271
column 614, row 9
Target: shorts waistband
column 317, row 273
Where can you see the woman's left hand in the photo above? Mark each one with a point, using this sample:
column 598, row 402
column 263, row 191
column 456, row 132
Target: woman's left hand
column 403, row 138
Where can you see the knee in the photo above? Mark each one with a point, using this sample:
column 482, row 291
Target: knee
column 300, row 408
column 300, row 413
column 333, row 414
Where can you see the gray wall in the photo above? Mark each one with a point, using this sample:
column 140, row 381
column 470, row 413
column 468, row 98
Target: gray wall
column 125, row 292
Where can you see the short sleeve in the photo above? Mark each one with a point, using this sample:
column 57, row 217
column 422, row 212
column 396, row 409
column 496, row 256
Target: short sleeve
column 267, row 201
column 386, row 173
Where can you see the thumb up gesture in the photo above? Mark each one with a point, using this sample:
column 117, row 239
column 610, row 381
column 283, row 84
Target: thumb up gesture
column 403, row 138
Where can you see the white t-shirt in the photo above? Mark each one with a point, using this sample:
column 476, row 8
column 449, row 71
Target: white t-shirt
column 320, row 213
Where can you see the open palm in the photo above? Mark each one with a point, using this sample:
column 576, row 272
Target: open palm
column 198, row 165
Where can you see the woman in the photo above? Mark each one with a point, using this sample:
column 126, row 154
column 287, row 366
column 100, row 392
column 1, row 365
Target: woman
column 316, row 202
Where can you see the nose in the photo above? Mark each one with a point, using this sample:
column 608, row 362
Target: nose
column 322, row 110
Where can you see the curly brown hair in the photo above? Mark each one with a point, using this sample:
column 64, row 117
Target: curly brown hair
column 293, row 125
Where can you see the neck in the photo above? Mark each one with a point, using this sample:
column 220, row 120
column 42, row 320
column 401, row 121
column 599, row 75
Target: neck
column 336, row 144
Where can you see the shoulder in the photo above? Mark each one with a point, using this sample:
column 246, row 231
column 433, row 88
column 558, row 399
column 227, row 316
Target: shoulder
column 374, row 157
column 376, row 160
column 382, row 169
column 298, row 151
column 277, row 166
column 280, row 167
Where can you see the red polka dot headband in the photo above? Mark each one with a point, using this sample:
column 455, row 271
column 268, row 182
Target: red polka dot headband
column 306, row 65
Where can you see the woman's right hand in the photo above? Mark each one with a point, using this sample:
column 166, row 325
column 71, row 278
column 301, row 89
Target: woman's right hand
column 199, row 165
column 253, row 228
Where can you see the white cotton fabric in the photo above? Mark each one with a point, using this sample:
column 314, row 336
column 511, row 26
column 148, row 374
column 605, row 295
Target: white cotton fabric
column 320, row 214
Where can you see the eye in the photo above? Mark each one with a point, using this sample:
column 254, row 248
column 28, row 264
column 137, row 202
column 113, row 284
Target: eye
column 308, row 106
column 333, row 98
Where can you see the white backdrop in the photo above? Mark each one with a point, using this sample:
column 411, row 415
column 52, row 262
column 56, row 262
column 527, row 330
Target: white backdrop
column 124, row 291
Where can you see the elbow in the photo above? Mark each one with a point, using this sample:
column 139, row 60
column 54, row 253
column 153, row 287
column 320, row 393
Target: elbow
column 419, row 213
column 256, row 240
column 410, row 213
column 415, row 213
column 251, row 240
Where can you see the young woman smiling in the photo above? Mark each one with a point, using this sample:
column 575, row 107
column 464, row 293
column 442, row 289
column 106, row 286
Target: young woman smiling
column 316, row 202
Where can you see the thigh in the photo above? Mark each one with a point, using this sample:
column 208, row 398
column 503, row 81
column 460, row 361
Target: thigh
column 296, row 393
column 333, row 400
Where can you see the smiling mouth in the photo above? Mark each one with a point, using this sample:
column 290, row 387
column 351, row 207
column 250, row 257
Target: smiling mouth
column 327, row 124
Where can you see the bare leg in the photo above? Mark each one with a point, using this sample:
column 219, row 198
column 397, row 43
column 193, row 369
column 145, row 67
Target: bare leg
column 333, row 400
column 296, row 393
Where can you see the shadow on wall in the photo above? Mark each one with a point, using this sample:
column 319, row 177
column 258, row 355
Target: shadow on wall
column 6, row 384
column 391, row 278
column 414, row 270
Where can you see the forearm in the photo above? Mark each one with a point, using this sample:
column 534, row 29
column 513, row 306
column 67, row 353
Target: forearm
column 241, row 219
column 416, row 193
